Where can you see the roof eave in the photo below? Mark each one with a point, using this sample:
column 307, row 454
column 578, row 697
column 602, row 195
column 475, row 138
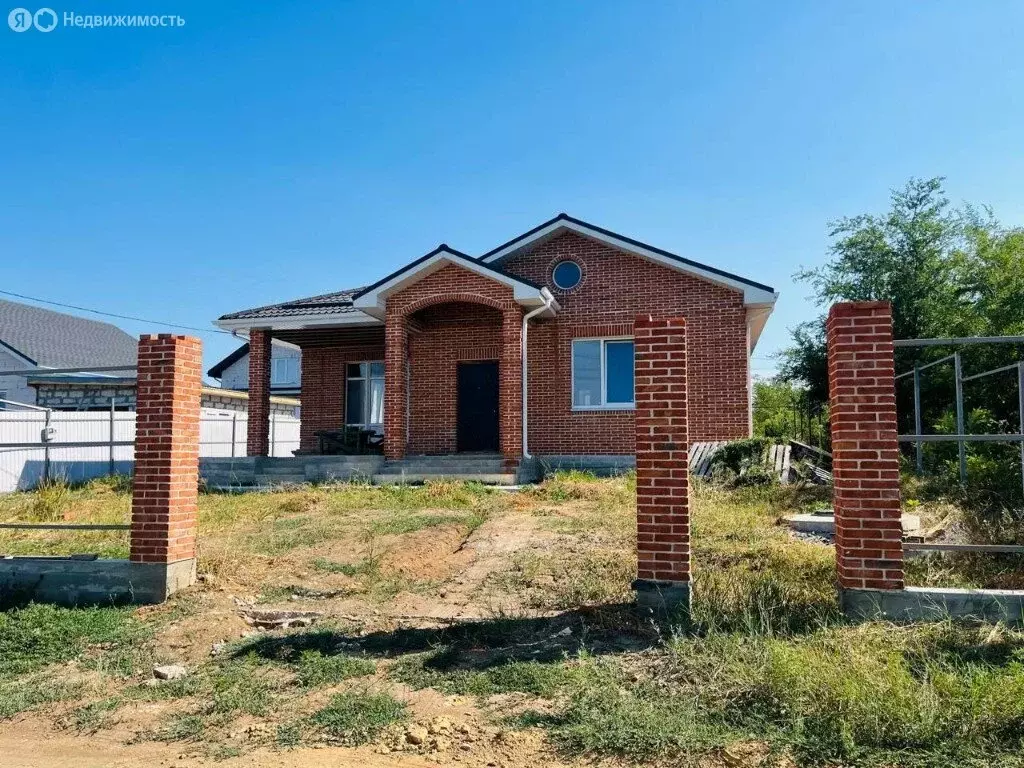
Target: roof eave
column 295, row 322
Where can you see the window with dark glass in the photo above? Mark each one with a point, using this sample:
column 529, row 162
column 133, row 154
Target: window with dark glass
column 364, row 394
column 566, row 275
column 602, row 373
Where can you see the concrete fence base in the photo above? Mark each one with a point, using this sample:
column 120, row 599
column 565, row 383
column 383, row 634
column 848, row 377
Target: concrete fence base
column 920, row 604
column 92, row 582
column 665, row 598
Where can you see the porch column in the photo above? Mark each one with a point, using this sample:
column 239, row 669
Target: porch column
column 510, row 387
column 395, row 384
column 258, row 435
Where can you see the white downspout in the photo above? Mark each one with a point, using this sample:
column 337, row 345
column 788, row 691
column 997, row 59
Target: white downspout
column 549, row 300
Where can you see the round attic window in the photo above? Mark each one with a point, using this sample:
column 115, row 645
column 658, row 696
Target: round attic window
column 566, row 275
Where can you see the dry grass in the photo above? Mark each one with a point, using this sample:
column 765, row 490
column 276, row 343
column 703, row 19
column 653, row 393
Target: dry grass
column 764, row 658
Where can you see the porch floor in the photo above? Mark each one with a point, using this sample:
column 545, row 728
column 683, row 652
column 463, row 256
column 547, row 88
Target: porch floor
column 260, row 472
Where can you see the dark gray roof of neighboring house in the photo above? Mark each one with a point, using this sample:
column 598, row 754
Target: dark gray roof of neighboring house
column 336, row 303
column 55, row 340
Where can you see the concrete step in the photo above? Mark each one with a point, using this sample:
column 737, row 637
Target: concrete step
column 443, row 462
column 290, row 469
column 410, row 478
column 280, row 479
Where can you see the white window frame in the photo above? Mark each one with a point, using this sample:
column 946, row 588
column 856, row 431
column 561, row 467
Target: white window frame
column 604, row 405
column 291, row 371
column 367, row 405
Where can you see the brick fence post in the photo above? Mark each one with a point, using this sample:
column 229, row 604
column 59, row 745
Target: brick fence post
column 258, row 432
column 165, row 488
column 865, row 451
column 662, row 464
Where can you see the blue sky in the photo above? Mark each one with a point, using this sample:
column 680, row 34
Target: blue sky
column 265, row 151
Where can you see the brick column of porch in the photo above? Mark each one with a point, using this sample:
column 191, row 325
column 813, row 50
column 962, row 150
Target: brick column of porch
column 662, row 464
column 510, row 387
column 258, row 434
column 865, row 452
column 396, row 382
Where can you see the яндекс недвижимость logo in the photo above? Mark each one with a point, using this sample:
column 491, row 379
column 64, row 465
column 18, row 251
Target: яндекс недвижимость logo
column 22, row 20
column 46, row 20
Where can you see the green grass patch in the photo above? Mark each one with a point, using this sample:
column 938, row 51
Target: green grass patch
column 243, row 686
column 38, row 635
column 437, row 670
column 31, row 691
column 358, row 716
column 96, row 715
column 315, row 669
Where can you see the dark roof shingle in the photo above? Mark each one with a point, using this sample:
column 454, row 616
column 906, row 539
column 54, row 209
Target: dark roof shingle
column 339, row 302
column 56, row 340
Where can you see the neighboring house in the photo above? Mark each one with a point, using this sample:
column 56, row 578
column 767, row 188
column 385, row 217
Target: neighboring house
column 98, row 393
column 285, row 370
column 32, row 337
column 434, row 354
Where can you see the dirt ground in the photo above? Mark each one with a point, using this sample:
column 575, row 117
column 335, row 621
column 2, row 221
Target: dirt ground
column 429, row 579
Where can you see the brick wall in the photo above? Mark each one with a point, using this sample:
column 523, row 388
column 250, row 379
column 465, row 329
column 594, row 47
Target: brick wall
column 323, row 384
column 616, row 287
column 865, row 454
column 662, row 448
column 258, row 435
column 452, row 314
column 165, row 487
column 448, row 334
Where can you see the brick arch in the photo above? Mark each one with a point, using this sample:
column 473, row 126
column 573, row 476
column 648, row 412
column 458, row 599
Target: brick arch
column 454, row 298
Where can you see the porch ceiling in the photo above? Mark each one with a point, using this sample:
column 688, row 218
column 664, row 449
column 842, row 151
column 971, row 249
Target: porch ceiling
column 332, row 337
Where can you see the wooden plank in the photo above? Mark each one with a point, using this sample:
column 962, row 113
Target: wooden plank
column 713, row 448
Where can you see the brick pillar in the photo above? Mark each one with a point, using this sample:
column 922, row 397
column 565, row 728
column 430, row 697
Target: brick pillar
column 662, row 469
column 258, row 437
column 396, row 382
column 865, row 456
column 165, row 488
column 510, row 387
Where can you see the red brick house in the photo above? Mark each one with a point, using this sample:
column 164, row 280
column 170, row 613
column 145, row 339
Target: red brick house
column 442, row 354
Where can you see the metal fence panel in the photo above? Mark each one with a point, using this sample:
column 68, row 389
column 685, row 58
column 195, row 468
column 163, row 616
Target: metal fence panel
column 221, row 434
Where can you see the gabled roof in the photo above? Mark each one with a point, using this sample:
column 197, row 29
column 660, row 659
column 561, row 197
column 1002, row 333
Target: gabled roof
column 753, row 292
column 371, row 299
column 51, row 339
column 365, row 306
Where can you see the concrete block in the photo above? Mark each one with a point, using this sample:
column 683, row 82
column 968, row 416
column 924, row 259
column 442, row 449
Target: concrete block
column 664, row 598
column 824, row 522
column 924, row 604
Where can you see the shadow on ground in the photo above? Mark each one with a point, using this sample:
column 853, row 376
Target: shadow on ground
column 602, row 630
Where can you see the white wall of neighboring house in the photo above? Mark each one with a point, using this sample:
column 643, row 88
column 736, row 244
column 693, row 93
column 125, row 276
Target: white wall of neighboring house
column 15, row 387
column 285, row 370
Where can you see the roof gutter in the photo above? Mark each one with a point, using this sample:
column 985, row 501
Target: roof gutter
column 549, row 303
